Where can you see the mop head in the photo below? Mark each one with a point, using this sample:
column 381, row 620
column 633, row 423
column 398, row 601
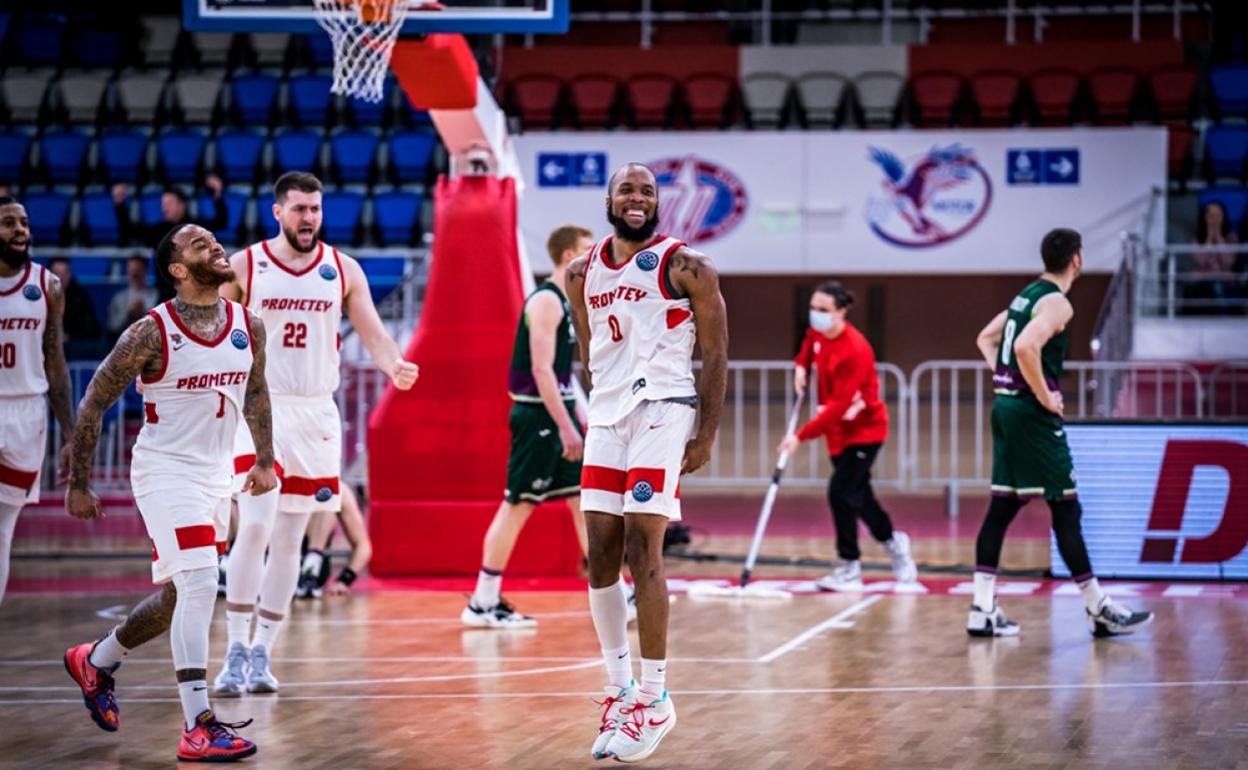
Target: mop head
column 754, row 591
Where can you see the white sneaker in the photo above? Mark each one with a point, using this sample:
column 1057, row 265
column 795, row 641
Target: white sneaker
column 232, row 680
column 1114, row 619
column 631, row 591
column 260, row 679
column 903, row 563
column 642, row 726
column 618, row 699
column 501, row 615
column 990, row 623
column 845, row 576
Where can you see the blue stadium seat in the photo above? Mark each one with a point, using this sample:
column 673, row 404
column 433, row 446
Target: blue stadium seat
column 396, row 216
column 410, row 152
column 236, row 204
column 320, row 49
column 91, row 270
column 1233, row 199
column 149, row 208
column 254, row 97
column 96, row 48
column 310, row 99
column 14, row 149
column 39, row 41
column 384, row 273
column 296, row 150
column 49, row 217
column 414, row 117
column 238, row 156
column 179, row 154
column 1226, row 150
column 362, row 113
column 351, row 155
column 99, row 220
column 343, row 212
column 63, row 155
column 1229, row 87
column 122, row 155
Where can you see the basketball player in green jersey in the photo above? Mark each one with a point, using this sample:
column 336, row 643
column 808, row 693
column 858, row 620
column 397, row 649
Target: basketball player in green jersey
column 1025, row 347
column 546, row 434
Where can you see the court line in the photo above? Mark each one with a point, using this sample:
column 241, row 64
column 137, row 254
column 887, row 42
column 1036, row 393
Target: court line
column 770, row 691
column 836, row 621
column 58, row 663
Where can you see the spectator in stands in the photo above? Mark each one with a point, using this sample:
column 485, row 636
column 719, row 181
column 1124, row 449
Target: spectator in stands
column 132, row 302
column 83, row 336
column 1215, row 286
column 174, row 211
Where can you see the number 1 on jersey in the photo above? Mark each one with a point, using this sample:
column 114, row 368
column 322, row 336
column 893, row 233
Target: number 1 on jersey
column 221, row 407
column 616, row 334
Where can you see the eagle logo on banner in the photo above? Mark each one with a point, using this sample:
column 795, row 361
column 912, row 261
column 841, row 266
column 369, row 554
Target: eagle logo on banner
column 941, row 198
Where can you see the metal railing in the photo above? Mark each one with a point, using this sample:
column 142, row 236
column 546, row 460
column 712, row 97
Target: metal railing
column 1225, row 383
column 1171, row 282
column 1114, row 334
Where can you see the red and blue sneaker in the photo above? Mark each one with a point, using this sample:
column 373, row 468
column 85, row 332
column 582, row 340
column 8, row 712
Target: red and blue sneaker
column 214, row 741
column 97, row 686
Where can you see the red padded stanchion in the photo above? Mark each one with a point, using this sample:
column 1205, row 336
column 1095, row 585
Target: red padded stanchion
column 437, row 454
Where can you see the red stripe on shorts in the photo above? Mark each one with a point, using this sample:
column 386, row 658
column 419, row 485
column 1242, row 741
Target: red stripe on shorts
column 198, row 536
column 17, row 478
column 655, row 477
column 243, row 463
column 302, row 485
column 603, row 479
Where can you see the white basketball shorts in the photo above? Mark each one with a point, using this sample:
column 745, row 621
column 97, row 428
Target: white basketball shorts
column 633, row 466
column 307, row 444
column 188, row 526
column 23, row 435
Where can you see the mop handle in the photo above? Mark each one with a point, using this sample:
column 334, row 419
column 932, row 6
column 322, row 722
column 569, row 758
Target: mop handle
column 770, row 499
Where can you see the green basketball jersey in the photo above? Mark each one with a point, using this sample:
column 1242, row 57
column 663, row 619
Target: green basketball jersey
column 1008, row 380
column 521, row 384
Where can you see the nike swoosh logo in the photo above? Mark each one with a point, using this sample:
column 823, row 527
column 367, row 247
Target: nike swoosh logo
column 659, row 724
column 544, row 433
column 199, row 689
column 622, row 657
column 198, row 745
column 652, row 427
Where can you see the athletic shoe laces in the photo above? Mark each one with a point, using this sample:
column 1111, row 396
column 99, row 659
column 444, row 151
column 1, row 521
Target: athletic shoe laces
column 224, row 731
column 638, row 712
column 104, row 689
column 607, row 722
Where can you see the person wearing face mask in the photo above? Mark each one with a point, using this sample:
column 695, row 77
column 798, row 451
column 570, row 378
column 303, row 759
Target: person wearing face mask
column 853, row 421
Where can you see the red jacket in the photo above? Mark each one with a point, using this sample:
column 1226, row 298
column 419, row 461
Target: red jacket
column 848, row 389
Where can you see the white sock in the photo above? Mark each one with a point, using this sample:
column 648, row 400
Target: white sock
column 312, row 561
column 489, row 586
column 1092, row 594
column 239, row 626
column 985, row 590
column 609, row 609
column 653, row 676
column 108, row 652
column 194, row 697
column 8, row 522
column 266, row 632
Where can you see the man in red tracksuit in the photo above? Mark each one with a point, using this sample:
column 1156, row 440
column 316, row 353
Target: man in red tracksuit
column 854, row 423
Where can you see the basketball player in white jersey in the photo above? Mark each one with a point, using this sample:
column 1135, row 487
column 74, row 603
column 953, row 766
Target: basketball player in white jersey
column 300, row 288
column 201, row 362
column 32, row 373
column 640, row 301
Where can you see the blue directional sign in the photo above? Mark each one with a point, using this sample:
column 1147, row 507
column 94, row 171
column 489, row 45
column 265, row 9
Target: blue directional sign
column 1061, row 166
column 554, row 169
column 589, row 169
column 1024, row 166
column 1027, row 167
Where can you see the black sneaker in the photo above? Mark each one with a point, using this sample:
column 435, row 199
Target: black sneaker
column 1114, row 619
column 308, row 587
column 981, row 622
column 501, row 615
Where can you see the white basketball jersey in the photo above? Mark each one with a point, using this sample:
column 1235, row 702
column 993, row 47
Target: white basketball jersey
column 301, row 312
column 641, row 337
column 193, row 407
column 23, row 319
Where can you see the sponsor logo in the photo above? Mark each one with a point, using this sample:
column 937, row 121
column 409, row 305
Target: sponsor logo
column 31, row 292
column 643, row 491
column 541, row 484
column 263, row 264
column 323, row 494
column 931, row 199
column 638, row 385
column 647, row 260
column 238, row 338
column 328, row 272
column 177, row 340
column 1170, row 503
column 702, row 200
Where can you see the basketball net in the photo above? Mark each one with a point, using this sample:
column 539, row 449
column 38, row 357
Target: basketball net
column 363, row 33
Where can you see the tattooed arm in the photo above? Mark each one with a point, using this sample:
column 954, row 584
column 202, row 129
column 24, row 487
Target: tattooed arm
column 693, row 275
column 580, row 319
column 259, row 415
column 137, row 352
column 57, row 373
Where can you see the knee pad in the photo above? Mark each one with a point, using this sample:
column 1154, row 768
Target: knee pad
column 192, row 617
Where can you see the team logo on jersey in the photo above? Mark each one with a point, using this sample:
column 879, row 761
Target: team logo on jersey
column 702, row 200
column 643, row 491
column 647, row 260
column 31, row 292
column 177, row 341
column 238, row 338
column 942, row 197
column 262, row 264
column 328, row 272
column 323, row 494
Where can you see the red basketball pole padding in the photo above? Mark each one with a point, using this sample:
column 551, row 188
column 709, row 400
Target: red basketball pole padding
column 437, row 72
column 437, row 454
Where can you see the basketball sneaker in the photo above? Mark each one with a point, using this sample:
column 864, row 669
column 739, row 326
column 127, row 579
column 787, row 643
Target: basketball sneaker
column 631, row 591
column 96, row 685
column 232, row 680
column 642, row 725
column 903, row 564
column 259, row 678
column 501, row 615
column 845, row 576
column 214, row 741
column 308, row 587
column 990, row 623
column 617, row 699
column 1114, row 619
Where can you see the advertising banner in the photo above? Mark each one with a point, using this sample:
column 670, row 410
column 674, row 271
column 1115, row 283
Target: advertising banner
column 826, row 203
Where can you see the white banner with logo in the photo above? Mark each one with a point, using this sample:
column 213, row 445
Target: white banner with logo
column 973, row 201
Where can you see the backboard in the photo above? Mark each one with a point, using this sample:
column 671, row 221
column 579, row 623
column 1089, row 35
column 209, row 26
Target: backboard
column 472, row 16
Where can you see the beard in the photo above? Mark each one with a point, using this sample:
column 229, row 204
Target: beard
column 15, row 260
column 627, row 232
column 202, row 274
column 292, row 237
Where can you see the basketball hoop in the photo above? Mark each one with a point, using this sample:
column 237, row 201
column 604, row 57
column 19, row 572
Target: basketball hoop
column 363, row 33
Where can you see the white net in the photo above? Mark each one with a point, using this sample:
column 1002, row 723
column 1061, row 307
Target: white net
column 363, row 33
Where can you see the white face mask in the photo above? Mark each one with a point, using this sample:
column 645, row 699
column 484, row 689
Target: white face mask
column 820, row 320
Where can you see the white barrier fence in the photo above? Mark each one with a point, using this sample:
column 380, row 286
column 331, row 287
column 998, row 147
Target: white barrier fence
column 939, row 419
